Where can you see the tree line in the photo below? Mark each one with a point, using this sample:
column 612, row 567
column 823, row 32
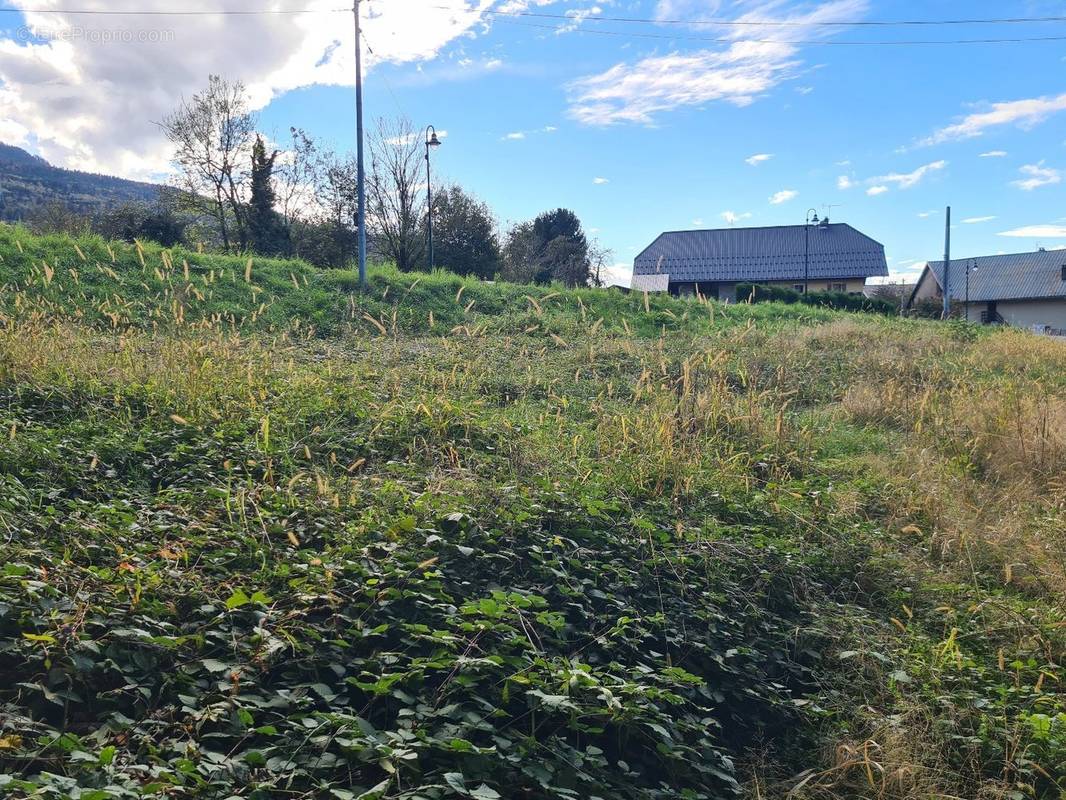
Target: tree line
column 234, row 191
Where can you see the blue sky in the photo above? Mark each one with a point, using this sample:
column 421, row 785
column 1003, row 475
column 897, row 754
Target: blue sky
column 639, row 127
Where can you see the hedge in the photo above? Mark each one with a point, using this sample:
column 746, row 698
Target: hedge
column 755, row 293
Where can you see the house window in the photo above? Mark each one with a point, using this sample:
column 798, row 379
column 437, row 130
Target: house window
column 797, row 287
column 840, row 287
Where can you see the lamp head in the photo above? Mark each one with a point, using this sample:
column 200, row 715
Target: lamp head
column 433, row 141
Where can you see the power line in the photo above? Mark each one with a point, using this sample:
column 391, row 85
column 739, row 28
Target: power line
column 545, row 15
column 804, row 42
column 388, row 85
column 158, row 13
column 772, row 23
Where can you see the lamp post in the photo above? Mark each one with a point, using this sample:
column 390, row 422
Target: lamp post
column 431, row 141
column 811, row 219
column 971, row 268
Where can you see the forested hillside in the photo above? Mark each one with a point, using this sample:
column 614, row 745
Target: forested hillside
column 28, row 182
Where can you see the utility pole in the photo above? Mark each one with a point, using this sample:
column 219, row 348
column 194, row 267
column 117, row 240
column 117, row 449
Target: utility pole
column 360, row 173
column 947, row 264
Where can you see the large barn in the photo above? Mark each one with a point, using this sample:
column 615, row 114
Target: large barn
column 831, row 257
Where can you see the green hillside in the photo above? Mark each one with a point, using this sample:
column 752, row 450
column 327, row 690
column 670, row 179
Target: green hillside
column 28, row 181
column 121, row 286
column 263, row 536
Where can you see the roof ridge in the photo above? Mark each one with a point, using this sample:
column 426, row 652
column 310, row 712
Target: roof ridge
column 753, row 228
column 1046, row 252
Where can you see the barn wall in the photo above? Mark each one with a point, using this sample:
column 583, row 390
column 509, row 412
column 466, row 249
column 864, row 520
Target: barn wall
column 1027, row 313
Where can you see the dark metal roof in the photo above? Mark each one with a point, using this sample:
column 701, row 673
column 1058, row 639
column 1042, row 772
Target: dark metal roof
column 837, row 250
column 1019, row 276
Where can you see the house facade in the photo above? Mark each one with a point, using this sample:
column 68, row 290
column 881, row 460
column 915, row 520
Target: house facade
column 1027, row 290
column 825, row 257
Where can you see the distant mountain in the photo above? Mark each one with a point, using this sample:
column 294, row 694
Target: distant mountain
column 28, row 181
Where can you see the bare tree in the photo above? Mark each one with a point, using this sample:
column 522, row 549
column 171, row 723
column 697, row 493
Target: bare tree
column 212, row 136
column 396, row 192
column 599, row 259
column 297, row 176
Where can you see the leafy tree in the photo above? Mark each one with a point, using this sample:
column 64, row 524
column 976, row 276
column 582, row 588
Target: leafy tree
column 565, row 260
column 551, row 247
column 267, row 233
column 56, row 217
column 560, row 222
column 331, row 236
column 520, row 254
column 464, row 234
column 156, row 222
column 211, row 135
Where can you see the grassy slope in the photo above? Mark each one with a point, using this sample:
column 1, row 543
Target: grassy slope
column 119, row 285
column 532, row 554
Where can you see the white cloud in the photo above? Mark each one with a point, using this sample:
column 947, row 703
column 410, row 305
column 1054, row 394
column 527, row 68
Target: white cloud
column 686, row 9
column 410, row 138
column 698, row 222
column 738, row 73
column 804, row 89
column 600, row 181
column 844, row 163
column 1039, row 175
column 93, row 105
column 783, row 196
column 617, row 274
column 732, row 217
column 844, row 182
column 994, row 154
column 908, row 179
column 577, row 16
column 873, row 191
column 515, row 136
column 1024, row 113
column 927, row 214
column 977, row 220
column 758, row 159
column 1037, row 232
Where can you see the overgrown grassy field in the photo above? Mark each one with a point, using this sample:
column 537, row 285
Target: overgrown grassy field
column 262, row 536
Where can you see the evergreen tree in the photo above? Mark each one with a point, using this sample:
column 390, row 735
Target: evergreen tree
column 562, row 249
column 267, row 233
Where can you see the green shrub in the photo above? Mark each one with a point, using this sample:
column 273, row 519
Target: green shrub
column 757, row 293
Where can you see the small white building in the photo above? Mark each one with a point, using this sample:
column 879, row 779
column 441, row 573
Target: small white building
column 1027, row 290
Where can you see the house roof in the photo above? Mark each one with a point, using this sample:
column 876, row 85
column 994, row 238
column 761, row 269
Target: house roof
column 1018, row 276
column 837, row 250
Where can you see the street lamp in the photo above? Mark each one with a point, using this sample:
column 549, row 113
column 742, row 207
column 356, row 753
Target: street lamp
column 431, row 141
column 811, row 219
column 971, row 268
